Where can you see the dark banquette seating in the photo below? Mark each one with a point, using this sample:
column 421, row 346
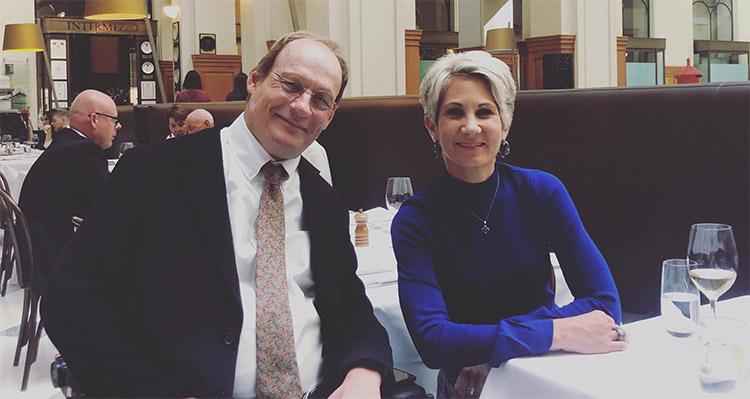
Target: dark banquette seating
column 641, row 164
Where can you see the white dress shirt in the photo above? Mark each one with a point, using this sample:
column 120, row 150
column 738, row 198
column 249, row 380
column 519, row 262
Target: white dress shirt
column 318, row 157
column 243, row 157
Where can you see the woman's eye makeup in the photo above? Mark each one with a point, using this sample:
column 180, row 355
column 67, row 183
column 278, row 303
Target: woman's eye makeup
column 454, row 111
column 485, row 112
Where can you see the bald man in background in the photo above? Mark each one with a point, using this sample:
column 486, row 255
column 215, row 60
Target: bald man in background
column 198, row 120
column 67, row 177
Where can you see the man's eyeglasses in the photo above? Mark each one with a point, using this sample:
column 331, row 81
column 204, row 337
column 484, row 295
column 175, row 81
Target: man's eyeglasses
column 115, row 120
column 319, row 100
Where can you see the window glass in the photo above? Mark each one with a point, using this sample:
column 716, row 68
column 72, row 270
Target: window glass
column 728, row 67
column 644, row 68
column 712, row 20
column 701, row 22
column 722, row 23
column 635, row 18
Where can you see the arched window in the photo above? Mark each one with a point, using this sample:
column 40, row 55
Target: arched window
column 713, row 20
column 635, row 18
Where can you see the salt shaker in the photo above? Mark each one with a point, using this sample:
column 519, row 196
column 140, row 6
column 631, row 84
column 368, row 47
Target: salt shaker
column 361, row 232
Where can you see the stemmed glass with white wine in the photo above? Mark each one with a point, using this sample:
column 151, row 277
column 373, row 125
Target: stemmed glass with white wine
column 712, row 247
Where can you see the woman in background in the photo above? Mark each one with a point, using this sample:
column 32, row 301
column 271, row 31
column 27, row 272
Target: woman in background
column 177, row 116
column 239, row 93
column 192, row 89
column 475, row 281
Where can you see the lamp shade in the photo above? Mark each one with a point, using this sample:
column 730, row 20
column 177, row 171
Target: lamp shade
column 107, row 10
column 500, row 39
column 23, row 37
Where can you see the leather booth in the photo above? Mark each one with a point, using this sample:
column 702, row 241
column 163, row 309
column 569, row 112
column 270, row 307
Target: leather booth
column 641, row 164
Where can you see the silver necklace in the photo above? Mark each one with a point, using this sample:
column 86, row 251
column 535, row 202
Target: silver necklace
column 485, row 228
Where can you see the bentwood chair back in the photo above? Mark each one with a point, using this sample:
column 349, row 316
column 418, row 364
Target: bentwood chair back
column 6, row 264
column 18, row 239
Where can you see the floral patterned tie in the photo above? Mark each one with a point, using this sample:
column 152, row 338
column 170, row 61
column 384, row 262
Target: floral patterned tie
column 277, row 373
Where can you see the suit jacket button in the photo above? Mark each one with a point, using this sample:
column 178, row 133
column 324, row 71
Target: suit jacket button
column 222, row 394
column 228, row 338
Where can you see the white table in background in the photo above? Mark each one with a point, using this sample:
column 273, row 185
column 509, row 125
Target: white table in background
column 655, row 365
column 15, row 167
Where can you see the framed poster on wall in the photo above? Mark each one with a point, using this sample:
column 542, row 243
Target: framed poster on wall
column 58, row 49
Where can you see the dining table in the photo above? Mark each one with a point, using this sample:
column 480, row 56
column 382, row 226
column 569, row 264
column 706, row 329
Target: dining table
column 654, row 365
column 15, row 167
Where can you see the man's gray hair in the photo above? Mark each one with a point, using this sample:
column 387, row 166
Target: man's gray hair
column 476, row 64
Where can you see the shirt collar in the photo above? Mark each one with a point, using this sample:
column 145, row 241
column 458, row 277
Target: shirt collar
column 76, row 130
column 250, row 153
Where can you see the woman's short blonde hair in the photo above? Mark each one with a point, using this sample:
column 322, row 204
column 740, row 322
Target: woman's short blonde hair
column 477, row 64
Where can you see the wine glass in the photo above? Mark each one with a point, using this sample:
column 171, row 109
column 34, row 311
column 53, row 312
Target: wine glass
column 397, row 191
column 680, row 299
column 126, row 145
column 712, row 247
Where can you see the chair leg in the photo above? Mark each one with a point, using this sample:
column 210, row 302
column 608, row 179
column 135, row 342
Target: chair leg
column 6, row 266
column 32, row 350
column 23, row 331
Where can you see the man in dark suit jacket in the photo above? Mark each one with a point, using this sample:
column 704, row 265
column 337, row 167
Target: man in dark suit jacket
column 67, row 177
column 155, row 295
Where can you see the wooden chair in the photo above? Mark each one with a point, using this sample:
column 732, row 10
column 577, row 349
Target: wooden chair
column 18, row 238
column 6, row 263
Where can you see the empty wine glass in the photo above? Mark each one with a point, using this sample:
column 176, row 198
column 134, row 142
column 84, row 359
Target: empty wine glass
column 126, row 145
column 712, row 247
column 397, row 191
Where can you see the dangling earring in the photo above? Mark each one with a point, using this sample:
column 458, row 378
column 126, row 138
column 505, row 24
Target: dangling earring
column 437, row 150
column 504, row 149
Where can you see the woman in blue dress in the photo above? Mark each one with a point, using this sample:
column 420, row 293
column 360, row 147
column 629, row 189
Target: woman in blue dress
column 475, row 280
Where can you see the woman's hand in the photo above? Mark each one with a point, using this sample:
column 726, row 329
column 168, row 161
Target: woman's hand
column 592, row 332
column 471, row 381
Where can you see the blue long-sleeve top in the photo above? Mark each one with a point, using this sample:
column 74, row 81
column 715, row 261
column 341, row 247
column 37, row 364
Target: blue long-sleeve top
column 472, row 298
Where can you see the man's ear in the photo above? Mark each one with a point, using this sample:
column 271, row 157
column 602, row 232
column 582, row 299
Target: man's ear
column 253, row 80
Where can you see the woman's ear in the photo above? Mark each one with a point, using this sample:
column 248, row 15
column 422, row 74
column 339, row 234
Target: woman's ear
column 431, row 128
column 504, row 133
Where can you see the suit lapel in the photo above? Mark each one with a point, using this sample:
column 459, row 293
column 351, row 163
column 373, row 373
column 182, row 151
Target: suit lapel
column 313, row 216
column 203, row 178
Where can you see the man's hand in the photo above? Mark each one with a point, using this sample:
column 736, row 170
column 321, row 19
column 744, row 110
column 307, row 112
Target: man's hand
column 592, row 332
column 359, row 383
column 471, row 381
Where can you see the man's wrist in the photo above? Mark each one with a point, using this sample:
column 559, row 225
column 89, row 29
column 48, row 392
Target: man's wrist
column 364, row 376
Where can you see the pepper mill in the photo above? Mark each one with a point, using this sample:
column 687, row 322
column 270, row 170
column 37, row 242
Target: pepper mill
column 361, row 232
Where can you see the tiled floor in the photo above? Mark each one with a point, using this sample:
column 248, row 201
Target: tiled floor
column 40, row 386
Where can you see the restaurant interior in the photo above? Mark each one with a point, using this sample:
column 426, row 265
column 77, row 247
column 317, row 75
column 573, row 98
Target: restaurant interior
column 641, row 108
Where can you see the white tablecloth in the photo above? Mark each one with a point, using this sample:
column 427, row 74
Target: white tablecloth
column 15, row 167
column 655, row 365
